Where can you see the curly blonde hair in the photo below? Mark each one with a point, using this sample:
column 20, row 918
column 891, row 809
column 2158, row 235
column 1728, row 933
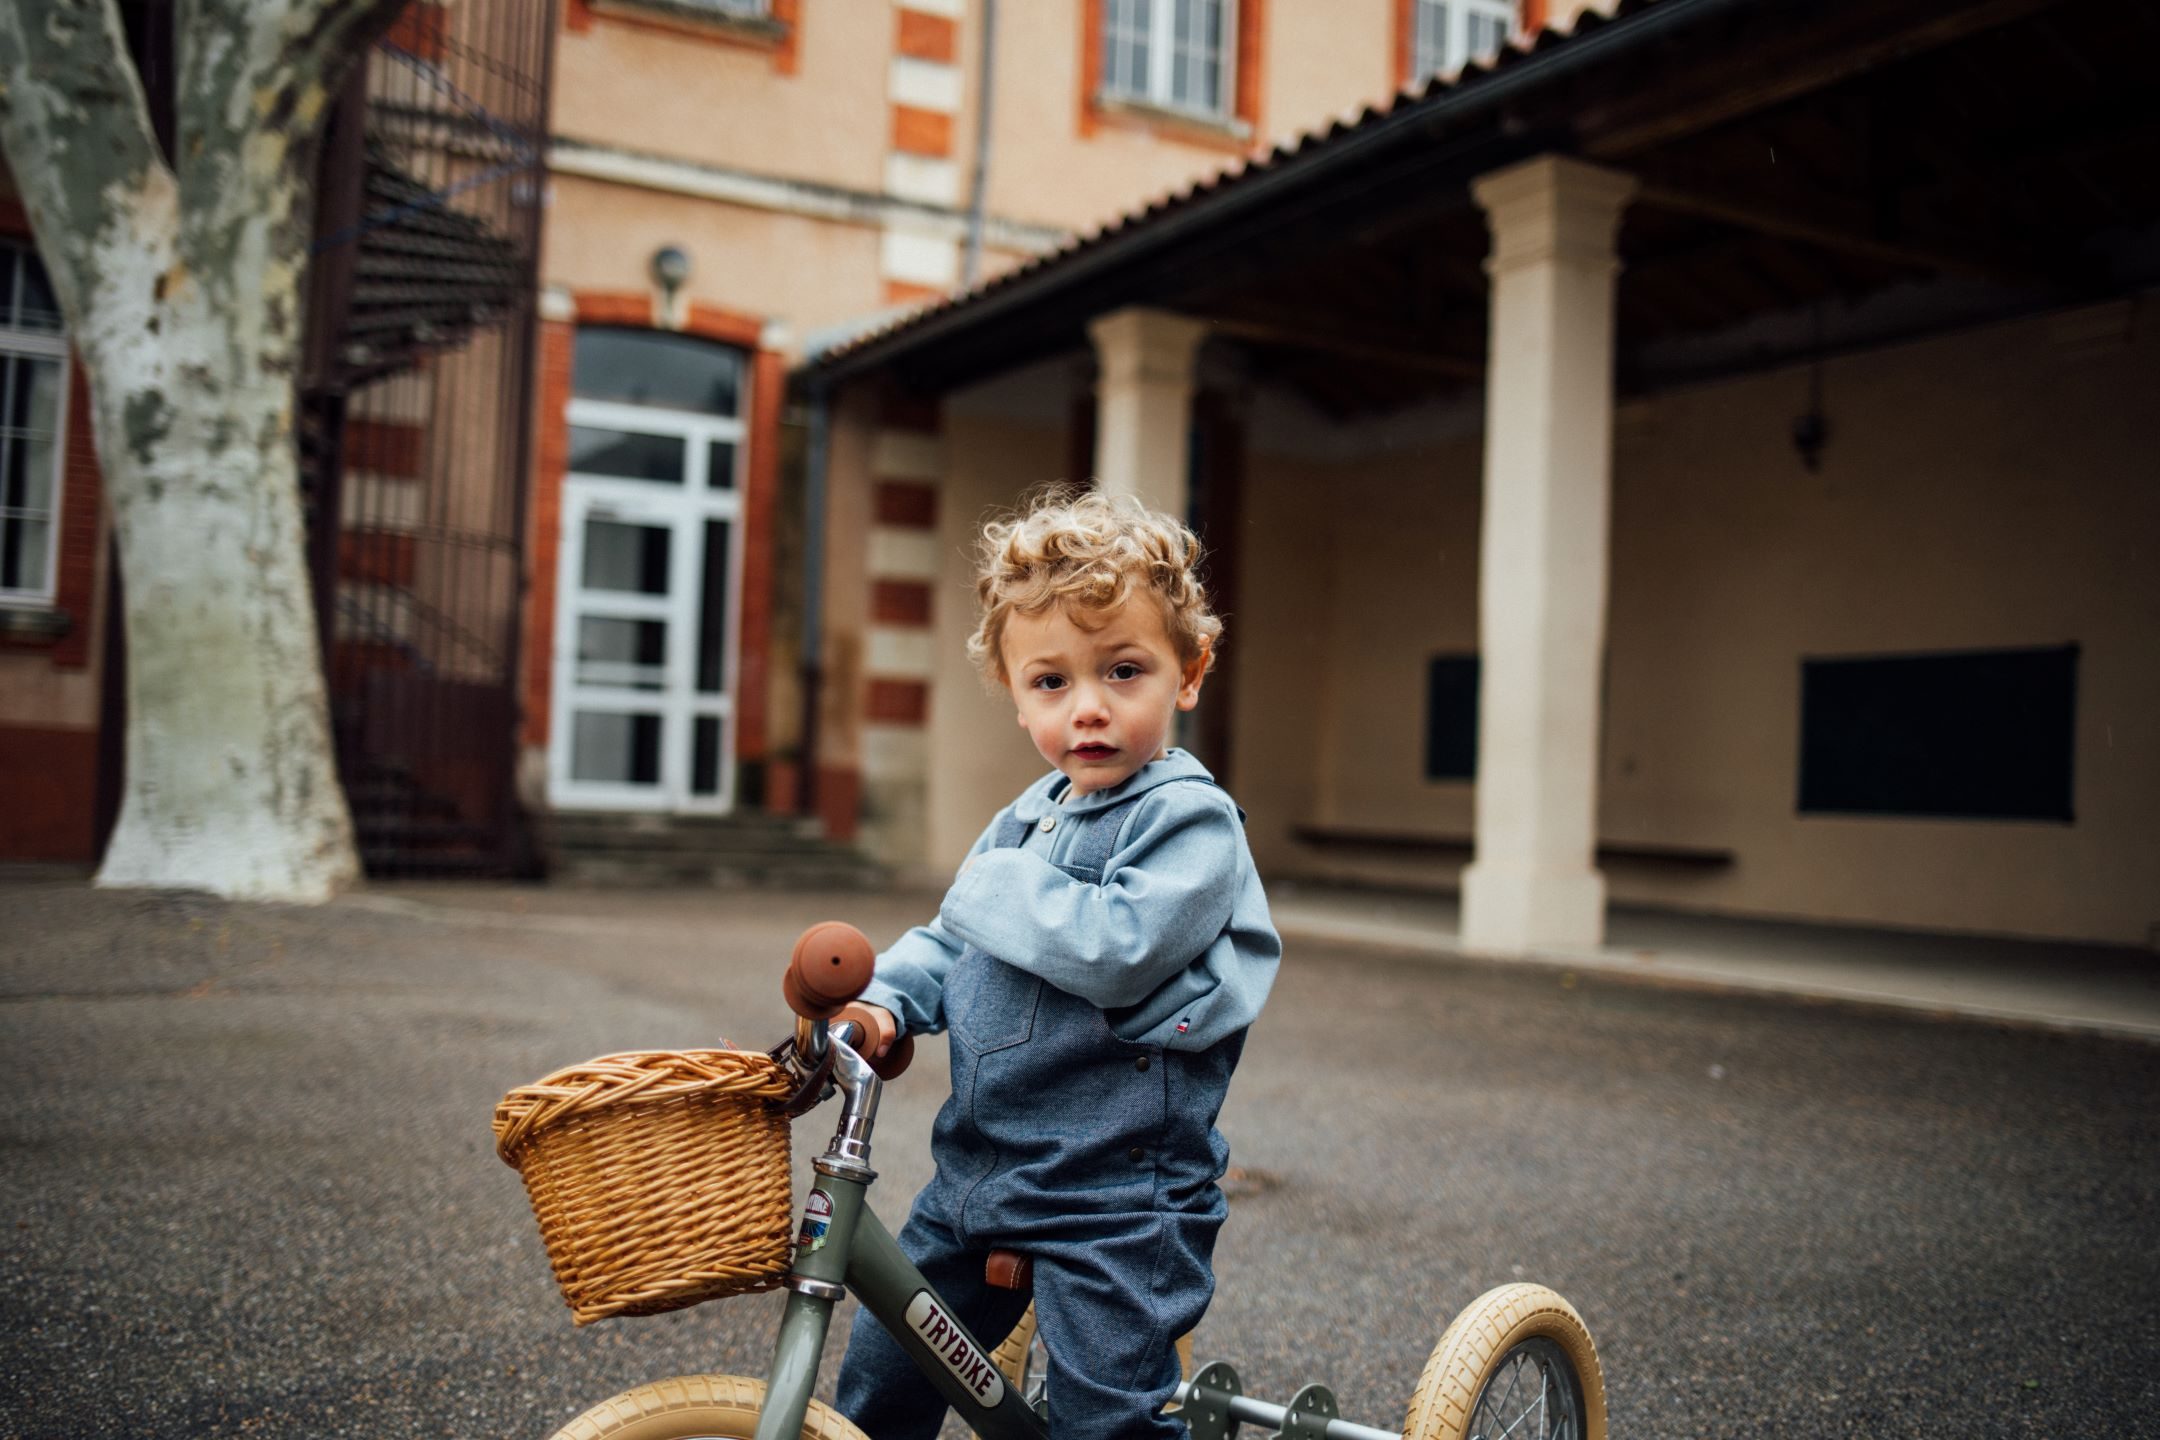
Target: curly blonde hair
column 1088, row 552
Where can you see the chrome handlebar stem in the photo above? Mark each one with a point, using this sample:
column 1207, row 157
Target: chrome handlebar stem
column 860, row 1089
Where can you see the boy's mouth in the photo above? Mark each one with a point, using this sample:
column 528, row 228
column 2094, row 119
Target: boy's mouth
column 1094, row 750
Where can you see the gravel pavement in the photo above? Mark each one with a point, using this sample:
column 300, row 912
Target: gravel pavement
column 248, row 1187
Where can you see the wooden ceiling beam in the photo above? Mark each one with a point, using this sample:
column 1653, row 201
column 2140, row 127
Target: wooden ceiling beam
column 1780, row 73
column 1836, row 227
column 1455, row 367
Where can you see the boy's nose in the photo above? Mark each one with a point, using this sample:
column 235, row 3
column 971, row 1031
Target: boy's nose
column 1089, row 706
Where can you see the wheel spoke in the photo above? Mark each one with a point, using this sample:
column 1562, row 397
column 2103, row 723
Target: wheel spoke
column 1508, row 1404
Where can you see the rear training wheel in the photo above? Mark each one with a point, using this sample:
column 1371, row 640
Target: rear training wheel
column 1517, row 1362
column 718, row 1407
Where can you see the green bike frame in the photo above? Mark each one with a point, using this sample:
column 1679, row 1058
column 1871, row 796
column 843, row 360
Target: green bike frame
column 843, row 1246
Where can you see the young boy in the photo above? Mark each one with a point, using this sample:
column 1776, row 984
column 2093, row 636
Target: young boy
column 1097, row 961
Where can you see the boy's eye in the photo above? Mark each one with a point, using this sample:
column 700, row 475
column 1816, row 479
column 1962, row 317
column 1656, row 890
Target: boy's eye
column 1125, row 670
column 1048, row 682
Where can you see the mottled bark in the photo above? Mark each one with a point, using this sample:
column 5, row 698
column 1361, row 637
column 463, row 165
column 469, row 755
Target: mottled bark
column 181, row 284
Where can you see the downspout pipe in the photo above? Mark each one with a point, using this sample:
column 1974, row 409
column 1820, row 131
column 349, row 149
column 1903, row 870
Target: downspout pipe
column 817, row 459
column 978, row 193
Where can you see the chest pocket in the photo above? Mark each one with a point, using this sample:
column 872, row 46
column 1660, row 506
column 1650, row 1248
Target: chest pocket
column 992, row 1004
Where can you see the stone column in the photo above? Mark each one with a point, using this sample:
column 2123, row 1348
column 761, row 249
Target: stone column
column 1143, row 416
column 1542, row 562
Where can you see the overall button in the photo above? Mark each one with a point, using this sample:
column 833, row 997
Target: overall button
column 1047, row 824
column 1140, row 1064
column 1138, row 1153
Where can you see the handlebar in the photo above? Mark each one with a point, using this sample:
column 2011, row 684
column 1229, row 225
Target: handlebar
column 831, row 965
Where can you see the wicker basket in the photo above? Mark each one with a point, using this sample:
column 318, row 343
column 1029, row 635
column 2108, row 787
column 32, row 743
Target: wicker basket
column 660, row 1178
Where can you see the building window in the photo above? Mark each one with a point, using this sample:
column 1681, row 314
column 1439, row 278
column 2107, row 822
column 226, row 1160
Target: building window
column 1172, row 54
column 33, row 381
column 721, row 9
column 1969, row 735
column 1447, row 34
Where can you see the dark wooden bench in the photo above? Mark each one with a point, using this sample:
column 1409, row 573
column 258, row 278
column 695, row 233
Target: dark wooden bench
column 1405, row 842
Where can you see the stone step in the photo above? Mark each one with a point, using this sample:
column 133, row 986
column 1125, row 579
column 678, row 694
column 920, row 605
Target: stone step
column 641, row 871
column 722, row 851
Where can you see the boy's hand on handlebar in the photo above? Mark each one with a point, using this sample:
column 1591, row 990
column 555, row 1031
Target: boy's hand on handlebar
column 880, row 1028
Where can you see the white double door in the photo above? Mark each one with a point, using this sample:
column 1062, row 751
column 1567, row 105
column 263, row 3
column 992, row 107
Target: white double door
column 647, row 611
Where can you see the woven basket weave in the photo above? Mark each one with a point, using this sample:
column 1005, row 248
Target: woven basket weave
column 660, row 1178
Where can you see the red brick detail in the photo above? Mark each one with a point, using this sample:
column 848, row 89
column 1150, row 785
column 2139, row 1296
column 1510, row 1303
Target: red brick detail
column 1091, row 23
column 906, row 504
column 577, row 16
column 729, row 327
column 397, row 448
column 1251, row 64
column 614, row 308
column 49, row 778
column 916, row 131
column 551, row 460
column 421, row 28
column 376, row 557
column 908, row 292
column 900, row 602
column 897, row 702
column 783, row 786
column 839, row 800
column 787, row 12
column 768, row 391
column 928, row 37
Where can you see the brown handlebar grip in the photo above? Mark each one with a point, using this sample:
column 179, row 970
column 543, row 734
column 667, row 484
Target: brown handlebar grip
column 895, row 1060
column 831, row 965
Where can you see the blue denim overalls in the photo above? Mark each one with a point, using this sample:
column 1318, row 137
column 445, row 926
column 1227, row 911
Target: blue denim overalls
column 1097, row 1157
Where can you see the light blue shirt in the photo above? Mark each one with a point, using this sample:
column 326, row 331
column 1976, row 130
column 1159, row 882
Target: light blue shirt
column 1175, row 944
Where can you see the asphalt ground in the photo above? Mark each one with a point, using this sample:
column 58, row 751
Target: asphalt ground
column 248, row 1186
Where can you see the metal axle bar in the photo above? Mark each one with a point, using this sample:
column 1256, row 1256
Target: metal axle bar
column 1259, row 1412
column 1214, row 1388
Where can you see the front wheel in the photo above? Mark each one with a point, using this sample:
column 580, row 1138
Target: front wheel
column 1519, row 1362
column 721, row 1407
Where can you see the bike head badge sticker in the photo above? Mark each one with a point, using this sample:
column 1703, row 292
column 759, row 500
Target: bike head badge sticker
column 954, row 1350
column 816, row 1220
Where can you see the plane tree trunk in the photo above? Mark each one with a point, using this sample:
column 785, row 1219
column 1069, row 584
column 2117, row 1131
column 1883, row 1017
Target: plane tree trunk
column 181, row 282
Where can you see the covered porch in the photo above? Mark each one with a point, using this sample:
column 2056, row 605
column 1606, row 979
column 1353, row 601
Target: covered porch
column 1611, row 460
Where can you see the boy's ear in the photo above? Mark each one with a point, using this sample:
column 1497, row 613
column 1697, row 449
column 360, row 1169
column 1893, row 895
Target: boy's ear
column 1195, row 671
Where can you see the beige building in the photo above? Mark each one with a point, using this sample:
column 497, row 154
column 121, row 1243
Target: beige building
column 1698, row 455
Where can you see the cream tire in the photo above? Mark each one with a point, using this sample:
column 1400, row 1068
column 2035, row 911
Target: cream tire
column 1515, row 1354
column 723, row 1407
column 1012, row 1354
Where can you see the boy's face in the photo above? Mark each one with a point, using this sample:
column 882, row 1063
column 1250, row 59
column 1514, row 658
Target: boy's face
column 1098, row 702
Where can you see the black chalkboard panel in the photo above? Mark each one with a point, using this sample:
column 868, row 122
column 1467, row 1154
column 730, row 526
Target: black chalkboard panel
column 1973, row 734
column 1451, row 705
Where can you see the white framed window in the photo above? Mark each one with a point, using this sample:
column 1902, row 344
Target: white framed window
column 1172, row 54
column 1447, row 34
column 33, row 418
column 725, row 9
